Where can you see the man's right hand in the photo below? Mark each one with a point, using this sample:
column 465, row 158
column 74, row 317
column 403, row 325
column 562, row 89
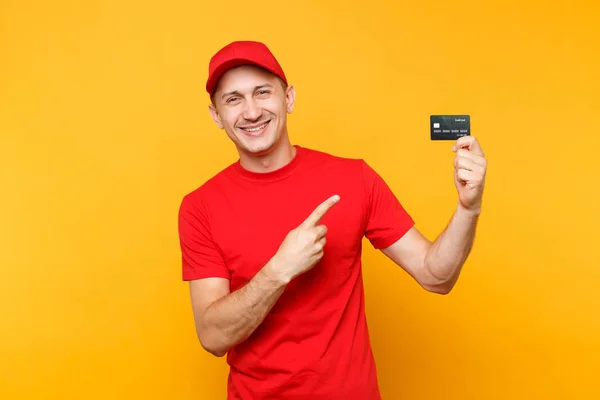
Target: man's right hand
column 303, row 246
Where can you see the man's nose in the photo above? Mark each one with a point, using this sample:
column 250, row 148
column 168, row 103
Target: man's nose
column 252, row 111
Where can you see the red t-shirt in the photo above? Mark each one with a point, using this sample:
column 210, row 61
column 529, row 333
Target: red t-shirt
column 314, row 344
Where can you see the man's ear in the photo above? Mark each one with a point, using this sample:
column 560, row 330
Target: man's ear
column 215, row 115
column 290, row 98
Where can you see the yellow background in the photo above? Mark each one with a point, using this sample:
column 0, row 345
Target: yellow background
column 104, row 127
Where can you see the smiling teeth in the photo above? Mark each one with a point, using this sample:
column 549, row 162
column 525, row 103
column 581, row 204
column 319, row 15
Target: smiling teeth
column 255, row 129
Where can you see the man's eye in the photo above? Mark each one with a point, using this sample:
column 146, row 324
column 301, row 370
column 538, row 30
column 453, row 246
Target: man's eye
column 260, row 92
column 232, row 99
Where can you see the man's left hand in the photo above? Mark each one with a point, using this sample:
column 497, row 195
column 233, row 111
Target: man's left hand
column 470, row 167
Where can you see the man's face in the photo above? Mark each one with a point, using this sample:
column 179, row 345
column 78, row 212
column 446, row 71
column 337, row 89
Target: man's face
column 251, row 104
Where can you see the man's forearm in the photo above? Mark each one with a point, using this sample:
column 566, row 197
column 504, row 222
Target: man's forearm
column 448, row 253
column 231, row 319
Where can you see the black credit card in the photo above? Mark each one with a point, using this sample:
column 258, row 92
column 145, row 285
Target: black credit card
column 449, row 127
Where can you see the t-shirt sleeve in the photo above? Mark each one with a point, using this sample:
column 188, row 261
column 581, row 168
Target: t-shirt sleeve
column 387, row 220
column 200, row 256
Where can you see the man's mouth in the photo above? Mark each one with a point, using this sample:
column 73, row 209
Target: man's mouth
column 255, row 128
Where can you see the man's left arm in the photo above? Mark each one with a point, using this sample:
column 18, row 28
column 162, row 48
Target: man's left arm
column 436, row 265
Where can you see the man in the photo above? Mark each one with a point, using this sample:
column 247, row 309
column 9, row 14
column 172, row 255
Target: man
column 271, row 245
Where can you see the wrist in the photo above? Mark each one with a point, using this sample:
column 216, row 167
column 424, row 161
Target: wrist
column 274, row 272
column 472, row 212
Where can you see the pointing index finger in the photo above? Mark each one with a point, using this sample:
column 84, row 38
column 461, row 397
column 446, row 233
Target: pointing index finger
column 314, row 218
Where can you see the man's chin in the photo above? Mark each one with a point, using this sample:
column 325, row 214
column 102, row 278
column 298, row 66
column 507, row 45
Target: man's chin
column 258, row 150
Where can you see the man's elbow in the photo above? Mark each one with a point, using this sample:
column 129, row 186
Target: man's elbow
column 435, row 283
column 440, row 287
column 217, row 353
column 212, row 347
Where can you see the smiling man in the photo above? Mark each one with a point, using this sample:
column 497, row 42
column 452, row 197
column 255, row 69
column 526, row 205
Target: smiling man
column 271, row 245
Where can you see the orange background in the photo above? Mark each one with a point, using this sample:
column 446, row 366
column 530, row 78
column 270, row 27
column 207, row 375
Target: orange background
column 104, row 127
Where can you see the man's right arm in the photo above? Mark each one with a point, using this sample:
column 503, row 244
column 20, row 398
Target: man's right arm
column 224, row 319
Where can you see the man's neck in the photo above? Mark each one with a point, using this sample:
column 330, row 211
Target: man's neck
column 281, row 155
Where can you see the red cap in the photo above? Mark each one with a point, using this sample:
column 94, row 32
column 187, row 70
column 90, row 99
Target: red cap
column 241, row 53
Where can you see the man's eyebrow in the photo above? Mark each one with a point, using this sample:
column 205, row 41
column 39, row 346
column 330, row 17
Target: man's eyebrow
column 263, row 86
column 238, row 93
column 229, row 94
